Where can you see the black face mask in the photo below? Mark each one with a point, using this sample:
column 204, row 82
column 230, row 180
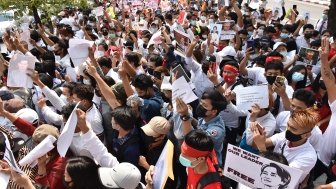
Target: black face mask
column 150, row 71
column 271, row 79
column 307, row 35
column 293, row 137
column 146, row 139
column 322, row 85
column 201, row 111
column 105, row 33
column 144, row 46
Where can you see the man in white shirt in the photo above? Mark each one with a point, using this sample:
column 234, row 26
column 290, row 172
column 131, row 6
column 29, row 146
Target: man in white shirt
column 293, row 144
column 304, row 40
column 322, row 23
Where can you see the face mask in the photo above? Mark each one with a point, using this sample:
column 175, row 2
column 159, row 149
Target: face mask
column 193, row 22
column 86, row 82
column 105, row 33
column 322, row 85
column 284, row 35
column 150, row 71
column 324, row 17
column 51, row 48
column 307, row 35
column 297, row 76
column 260, row 32
column 141, row 17
column 270, row 79
column 250, row 33
column 283, row 53
column 186, row 162
column 211, row 21
column 203, row 18
column 99, row 54
column 204, row 36
column 144, row 46
column 292, row 137
column 201, row 111
column 118, row 34
column 112, row 36
column 153, row 30
column 229, row 78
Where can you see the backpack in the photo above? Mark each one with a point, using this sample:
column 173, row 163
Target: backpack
column 121, row 151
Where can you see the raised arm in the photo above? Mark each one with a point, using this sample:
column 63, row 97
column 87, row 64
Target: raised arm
column 327, row 74
column 242, row 66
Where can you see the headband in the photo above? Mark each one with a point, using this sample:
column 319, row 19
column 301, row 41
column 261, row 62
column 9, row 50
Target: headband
column 271, row 58
column 194, row 153
column 230, row 68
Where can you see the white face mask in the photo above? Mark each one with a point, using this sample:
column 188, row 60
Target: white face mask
column 204, row 36
column 211, row 21
column 118, row 34
column 57, row 58
column 203, row 18
column 86, row 82
column 99, row 54
column 51, row 48
column 153, row 29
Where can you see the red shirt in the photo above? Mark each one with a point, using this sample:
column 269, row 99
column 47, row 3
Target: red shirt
column 332, row 53
column 55, row 174
column 193, row 178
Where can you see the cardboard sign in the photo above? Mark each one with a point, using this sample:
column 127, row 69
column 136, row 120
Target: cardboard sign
column 257, row 172
column 248, row 96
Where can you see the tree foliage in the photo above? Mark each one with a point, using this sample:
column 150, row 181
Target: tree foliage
column 48, row 7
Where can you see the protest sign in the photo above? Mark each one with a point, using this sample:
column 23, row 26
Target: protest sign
column 165, row 5
column 181, row 17
column 79, row 50
column 19, row 64
column 216, row 30
column 155, row 39
column 40, row 150
column 153, row 4
column 65, row 138
column 257, row 172
column 248, row 96
column 99, row 11
column 182, row 40
column 164, row 167
column 178, row 72
column 9, row 157
column 309, row 56
column 182, row 89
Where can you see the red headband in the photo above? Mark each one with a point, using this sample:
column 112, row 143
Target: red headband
column 271, row 58
column 230, row 68
column 194, row 153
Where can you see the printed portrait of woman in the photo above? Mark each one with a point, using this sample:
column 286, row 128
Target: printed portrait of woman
column 274, row 177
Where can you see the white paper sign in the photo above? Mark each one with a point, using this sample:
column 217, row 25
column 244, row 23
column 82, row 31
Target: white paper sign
column 4, row 180
column 17, row 71
column 183, row 90
column 258, row 172
column 99, row 11
column 40, row 150
column 164, row 168
column 79, row 50
column 65, row 139
column 248, row 96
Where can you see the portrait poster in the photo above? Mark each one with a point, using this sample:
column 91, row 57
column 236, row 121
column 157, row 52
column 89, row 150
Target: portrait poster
column 18, row 69
column 182, row 40
column 215, row 30
column 309, row 56
column 255, row 171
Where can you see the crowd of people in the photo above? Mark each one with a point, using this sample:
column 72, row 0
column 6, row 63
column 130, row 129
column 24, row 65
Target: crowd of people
column 127, row 111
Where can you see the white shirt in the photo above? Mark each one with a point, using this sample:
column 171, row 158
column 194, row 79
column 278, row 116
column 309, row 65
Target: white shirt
column 267, row 121
column 301, row 42
column 93, row 116
column 256, row 74
column 326, row 154
column 281, row 126
column 114, row 75
column 199, row 78
column 302, row 157
column 319, row 24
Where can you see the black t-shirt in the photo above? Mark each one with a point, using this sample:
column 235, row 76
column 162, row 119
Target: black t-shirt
column 291, row 45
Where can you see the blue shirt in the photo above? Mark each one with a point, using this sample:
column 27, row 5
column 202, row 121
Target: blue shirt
column 152, row 106
column 215, row 128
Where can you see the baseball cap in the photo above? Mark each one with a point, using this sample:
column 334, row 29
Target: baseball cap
column 277, row 44
column 227, row 51
column 123, row 175
column 156, row 126
column 6, row 95
column 43, row 131
column 28, row 115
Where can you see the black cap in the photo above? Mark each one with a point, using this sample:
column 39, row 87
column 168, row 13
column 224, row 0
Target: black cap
column 6, row 95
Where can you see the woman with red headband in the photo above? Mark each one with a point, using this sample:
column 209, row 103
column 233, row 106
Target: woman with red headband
column 198, row 155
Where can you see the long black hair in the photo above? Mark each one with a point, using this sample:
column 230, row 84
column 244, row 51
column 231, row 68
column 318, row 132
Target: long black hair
column 300, row 84
column 315, row 87
column 84, row 173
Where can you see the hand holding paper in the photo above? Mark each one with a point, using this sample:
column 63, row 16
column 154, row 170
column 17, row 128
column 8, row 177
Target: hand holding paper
column 41, row 149
column 79, row 50
column 182, row 89
column 248, row 96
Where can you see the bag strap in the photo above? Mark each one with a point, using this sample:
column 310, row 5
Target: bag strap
column 207, row 179
column 283, row 148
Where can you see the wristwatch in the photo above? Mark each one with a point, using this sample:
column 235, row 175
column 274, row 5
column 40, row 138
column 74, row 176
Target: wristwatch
column 185, row 117
column 219, row 84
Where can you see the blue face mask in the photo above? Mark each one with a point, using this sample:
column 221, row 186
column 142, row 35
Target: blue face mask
column 186, row 162
column 250, row 33
column 297, row 76
column 284, row 35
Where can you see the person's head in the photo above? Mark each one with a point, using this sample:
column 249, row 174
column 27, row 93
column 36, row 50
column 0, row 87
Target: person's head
column 133, row 58
column 281, row 48
column 46, row 80
column 82, row 173
column 105, row 64
column 154, row 61
column 155, row 131
column 326, row 33
column 308, row 30
column 272, row 175
column 300, row 125
column 42, row 131
column 212, row 102
column 298, row 76
column 67, row 89
column 124, row 175
column 83, row 93
column 325, row 14
column 270, row 31
column 318, row 84
column 285, row 32
column 272, row 70
column 302, row 99
column 143, row 85
column 196, row 148
column 67, row 110
column 230, row 73
column 61, row 48
column 123, row 119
